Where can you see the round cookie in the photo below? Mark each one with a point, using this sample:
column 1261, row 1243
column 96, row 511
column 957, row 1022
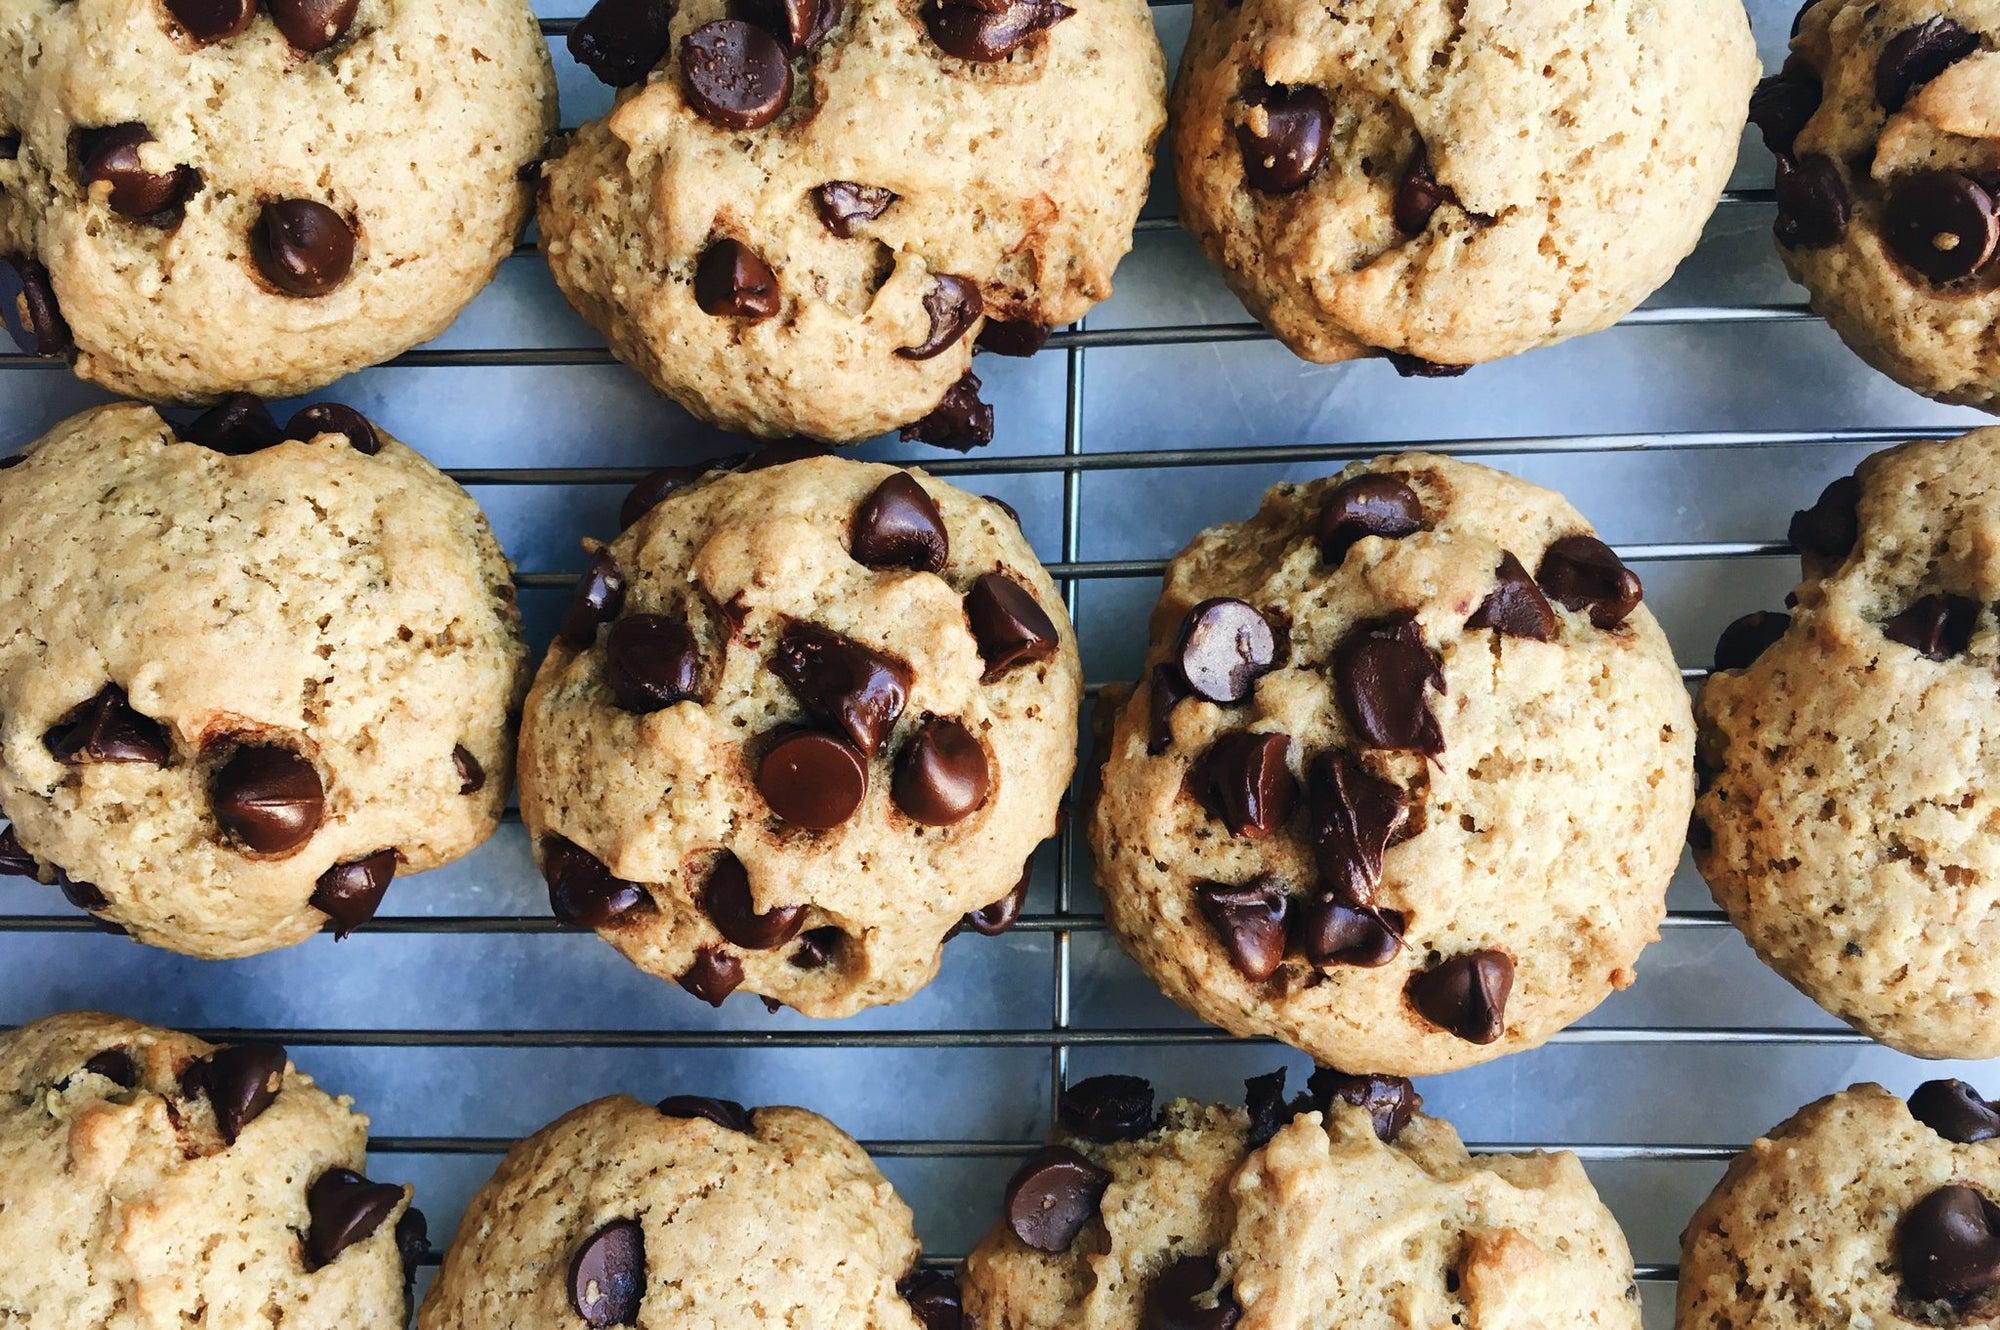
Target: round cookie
column 1345, row 1207
column 698, row 1212
column 200, row 197
column 1383, row 794
column 810, row 244
column 152, row 1179
column 1453, row 181
column 1846, row 821
column 799, row 724
column 245, row 682
column 1885, row 120
column 1858, row 1210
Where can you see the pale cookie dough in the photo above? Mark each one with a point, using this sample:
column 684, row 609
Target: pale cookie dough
column 695, row 1213
column 1847, row 824
column 1383, row 796
column 153, row 1182
column 1214, row 1217
column 800, row 723
column 205, row 196
column 1453, row 181
column 239, row 692
column 1015, row 184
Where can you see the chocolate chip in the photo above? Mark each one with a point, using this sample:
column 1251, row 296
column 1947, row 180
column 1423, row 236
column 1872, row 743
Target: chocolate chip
column 1799, row 18
column 1165, row 692
column 1372, row 505
column 350, row 893
column 1105, row 1109
column 471, row 776
column 952, row 304
column 1916, row 55
column 267, row 798
column 28, row 307
column 1052, row 1195
column 995, row 919
column 726, row 900
column 1949, row 1245
column 841, row 683
column 1583, row 573
column 652, row 489
column 1013, row 514
column 959, row 421
column 989, row 30
column 309, row 422
column 1782, row 104
column 115, row 1065
column 346, row 1208
column 1955, row 1111
column 1330, row 932
column 1244, row 782
column 10, row 147
column 621, row 40
column 1380, row 672
column 1391, row 1101
column 1013, row 337
column 607, row 1276
column 1941, row 223
column 843, row 204
column 313, row 25
column 1283, row 136
column 816, row 949
column 15, row 861
column 208, row 21
column 599, row 595
column 110, row 157
column 108, row 729
column 1264, row 1102
column 1515, row 607
column 236, row 426
column 1008, row 623
column 1418, row 194
column 582, row 891
column 1223, row 648
column 302, row 247
column 724, row 1113
column 1416, row 367
column 1938, row 627
column 737, row 74
column 83, row 895
column 731, row 282
column 813, row 780
column 1179, row 1298
column 1748, row 638
column 942, row 776
column 1249, row 921
column 898, row 526
column 1813, row 204
column 240, row 1082
column 651, row 662
column 799, row 24
column 713, row 976
column 413, row 1245
column 934, row 1299
column 1467, row 995
column 1829, row 528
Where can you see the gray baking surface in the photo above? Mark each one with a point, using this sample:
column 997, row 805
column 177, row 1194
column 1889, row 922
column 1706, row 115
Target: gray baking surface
column 1687, row 434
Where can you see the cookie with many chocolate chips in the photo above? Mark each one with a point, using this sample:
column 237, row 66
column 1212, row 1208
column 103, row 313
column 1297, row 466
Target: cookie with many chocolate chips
column 1411, row 774
column 801, row 217
column 1846, row 821
column 216, row 196
column 1856, row 1210
column 249, row 673
column 154, row 1179
column 1275, row 1214
column 1451, row 181
column 694, row 1212
column 803, row 722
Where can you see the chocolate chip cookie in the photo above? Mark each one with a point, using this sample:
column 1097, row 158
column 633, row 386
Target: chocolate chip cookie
column 1857, row 1210
column 1886, row 120
column 200, row 197
column 1406, row 775
column 695, row 1212
column 1345, row 1206
column 801, row 724
column 1449, row 182
column 154, row 1179
column 1847, row 819
column 801, row 217
column 248, row 674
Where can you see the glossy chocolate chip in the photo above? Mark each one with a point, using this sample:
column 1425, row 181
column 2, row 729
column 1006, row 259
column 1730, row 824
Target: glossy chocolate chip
column 599, row 595
column 237, row 426
column 108, row 729
column 1244, row 782
column 1515, row 607
column 1013, row 337
column 731, row 282
column 1829, row 528
column 841, row 683
column 1949, row 1245
column 1184, row 1297
column 1582, row 573
column 1391, row 1101
column 240, row 1082
column 1052, row 1195
column 943, row 774
column 350, row 893
column 713, row 976
column 115, row 1065
column 1264, row 1103
column 1467, row 995
column 1416, row 367
column 1942, row 224
column 413, row 1245
column 302, row 247
column 1355, row 817
column 959, row 421
column 110, row 157
column 1105, row 1109
column 1782, row 104
column 1380, row 673
column 1164, row 691
column 1418, row 194
column 724, row 1113
column 1224, row 647
column 346, row 1208
column 471, row 775
column 1955, row 1111
column 83, row 895
column 582, row 891
column 607, row 1276
column 1249, row 921
column 898, row 526
column 1749, row 637
column 989, row 30
column 267, row 798
column 952, row 304
column 737, row 74
column 208, row 21
column 1330, row 932
column 726, row 899
column 10, row 147
column 15, row 861
column 1283, row 137
column 1372, row 505
column 995, row 919
column 651, row 662
column 1918, row 54
column 652, row 490
column 813, row 780
column 28, row 307
column 799, row 25
column 816, row 949
column 621, row 40
column 1008, row 623
column 309, row 422
column 843, row 204
column 313, row 25
column 934, row 1299
column 1813, row 203
column 1937, row 627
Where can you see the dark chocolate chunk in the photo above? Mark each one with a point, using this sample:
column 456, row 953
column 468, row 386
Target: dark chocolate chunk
column 620, row 41
column 1371, row 505
column 267, row 798
column 1813, row 203
column 732, row 282
column 1105, row 1109
column 816, row 949
column 960, row 421
column 1942, row 224
column 898, row 526
column 1264, row 1102
column 599, row 595
column 108, row 729
column 1515, row 607
column 111, row 157
column 309, row 422
column 240, row 1082
column 1949, row 1245
column 1782, row 104
column 989, row 30
column 1467, row 995
column 1408, row 366
column 1332, row 933
column 302, row 247
column 206, row 22
column 1283, row 136
column 1916, row 55
column 799, row 25
column 471, row 775
column 713, row 976
column 1249, row 921
column 351, row 893
column 813, row 780
column 1829, row 529
column 724, row 1113
column 116, row 1065
column 652, row 490
column 1937, row 626
column 727, row 901
column 1008, row 623
column 1380, row 674
column 1582, row 573
column 934, row 1299
column 737, row 75
column 1224, row 647
column 1418, row 194
column 1052, row 1196
column 1955, row 1111
column 1355, row 816
column 1164, row 693
column 995, row 919
column 83, row 895
column 238, row 425
column 28, row 307
column 651, row 662
column 582, row 891
column 346, row 1208
column 952, row 304
column 841, row 683
column 313, row 25
column 1244, row 781
column 1391, row 1101
column 943, row 774
column 607, row 1276
column 1013, row 337
column 15, row 861
column 1749, row 637
column 844, row 204
column 1184, row 1296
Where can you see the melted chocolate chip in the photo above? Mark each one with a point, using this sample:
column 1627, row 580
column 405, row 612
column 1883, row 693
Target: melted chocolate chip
column 813, row 780
column 1419, row 195
column 1355, row 817
column 943, row 774
column 1813, row 203
column 724, row 1113
column 1184, row 1297
column 1331, row 933
column 206, row 22
column 346, row 1208
column 237, row 426
column 1283, row 136
column 1916, row 55
column 1223, row 648
column 899, row 526
column 351, row 893
column 1949, row 1245
column 732, row 282
column 799, row 24
column 1052, row 1195
column 1244, row 781
column 111, row 157
column 1264, row 1102
column 1829, row 529
column 738, row 75
column 582, row 891
column 989, row 30
column 599, row 595
column 267, row 799
column 995, row 919
column 1008, row 623
column 1013, row 337
column 652, row 489
column 727, row 901
column 1955, row 1111
column 1249, row 921
column 10, row 147
column 1782, row 104
column 651, row 662
column 413, row 1245
column 1582, row 573
column 816, row 949
column 309, row 422
column 841, row 683
column 1165, row 692
column 1515, row 607
column 934, row 1299
column 607, row 1276
column 713, row 976
column 842, row 205
column 1371, row 505
column 1938, row 627
column 15, row 861
column 1105, row 1109
column 1942, row 224
column 621, row 40
column 1748, row 638
column 108, row 729
column 1391, row 1101
column 1380, row 674
column 959, row 421
column 28, row 307
column 115, row 1065
column 471, row 776
column 313, row 25
column 952, row 304
column 1416, row 367
column 1467, row 995
column 302, row 247
column 240, row 1082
